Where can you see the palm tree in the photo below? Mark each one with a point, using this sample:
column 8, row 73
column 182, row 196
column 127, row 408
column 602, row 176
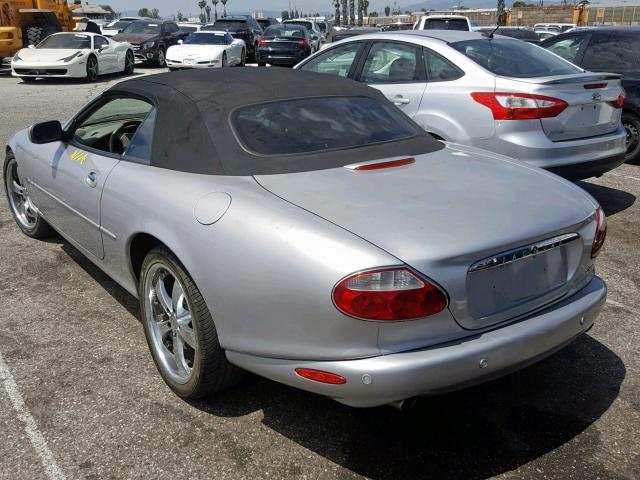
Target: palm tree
column 202, row 4
column 365, row 7
column 352, row 13
column 360, row 13
column 224, row 6
column 207, row 9
column 336, row 19
column 387, row 11
column 215, row 9
column 345, row 17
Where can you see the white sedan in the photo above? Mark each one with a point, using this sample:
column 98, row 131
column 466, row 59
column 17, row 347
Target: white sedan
column 210, row 49
column 73, row 55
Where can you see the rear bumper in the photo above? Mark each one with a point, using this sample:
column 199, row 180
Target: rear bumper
column 594, row 168
column 444, row 367
column 279, row 58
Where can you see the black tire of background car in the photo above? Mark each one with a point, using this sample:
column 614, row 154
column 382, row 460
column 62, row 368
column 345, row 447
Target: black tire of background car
column 212, row 372
column 631, row 124
column 41, row 228
column 161, row 61
column 129, row 63
column 262, row 64
column 29, row 79
column 92, row 76
column 224, row 59
column 243, row 58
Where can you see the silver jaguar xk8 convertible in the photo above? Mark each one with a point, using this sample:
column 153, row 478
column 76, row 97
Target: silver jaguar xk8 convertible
column 300, row 227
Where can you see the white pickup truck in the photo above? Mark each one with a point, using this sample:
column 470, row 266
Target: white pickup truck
column 443, row 22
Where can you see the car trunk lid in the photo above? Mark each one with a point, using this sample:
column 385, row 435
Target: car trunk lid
column 590, row 97
column 450, row 210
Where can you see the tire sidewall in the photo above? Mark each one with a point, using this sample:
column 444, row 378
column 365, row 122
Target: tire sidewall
column 631, row 118
column 128, row 70
column 168, row 261
column 89, row 79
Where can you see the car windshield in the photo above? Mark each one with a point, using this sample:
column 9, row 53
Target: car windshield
column 66, row 41
column 231, row 25
column 119, row 25
column 513, row 58
column 285, row 31
column 188, row 29
column 307, row 25
column 206, row 39
column 518, row 33
column 319, row 124
column 264, row 23
column 142, row 27
column 446, row 24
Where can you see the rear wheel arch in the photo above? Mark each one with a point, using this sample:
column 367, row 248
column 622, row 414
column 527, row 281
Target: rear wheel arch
column 139, row 246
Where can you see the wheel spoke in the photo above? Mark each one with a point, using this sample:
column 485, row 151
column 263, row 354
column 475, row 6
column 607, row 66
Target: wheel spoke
column 17, row 188
column 177, row 298
column 187, row 335
column 163, row 296
column 178, row 354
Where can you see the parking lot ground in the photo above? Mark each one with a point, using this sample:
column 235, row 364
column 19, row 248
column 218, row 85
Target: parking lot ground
column 81, row 398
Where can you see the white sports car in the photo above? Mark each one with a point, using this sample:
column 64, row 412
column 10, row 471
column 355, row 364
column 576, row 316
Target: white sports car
column 73, row 55
column 210, row 49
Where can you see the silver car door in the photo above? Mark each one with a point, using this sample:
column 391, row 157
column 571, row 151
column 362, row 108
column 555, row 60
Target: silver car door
column 71, row 183
column 397, row 70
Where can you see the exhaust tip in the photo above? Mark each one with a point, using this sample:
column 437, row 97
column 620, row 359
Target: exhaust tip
column 404, row 405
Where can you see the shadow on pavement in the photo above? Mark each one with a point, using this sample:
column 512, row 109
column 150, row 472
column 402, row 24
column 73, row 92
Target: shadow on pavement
column 612, row 200
column 74, row 81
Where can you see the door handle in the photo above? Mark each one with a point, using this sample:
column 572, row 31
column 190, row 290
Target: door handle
column 400, row 100
column 92, row 179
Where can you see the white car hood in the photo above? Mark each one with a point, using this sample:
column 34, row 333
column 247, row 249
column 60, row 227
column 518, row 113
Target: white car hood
column 45, row 55
column 180, row 52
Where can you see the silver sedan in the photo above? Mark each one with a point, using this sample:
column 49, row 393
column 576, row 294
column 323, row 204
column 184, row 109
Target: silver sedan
column 322, row 239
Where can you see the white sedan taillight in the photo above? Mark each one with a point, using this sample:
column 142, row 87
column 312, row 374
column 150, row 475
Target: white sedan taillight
column 520, row 106
column 601, row 232
column 388, row 294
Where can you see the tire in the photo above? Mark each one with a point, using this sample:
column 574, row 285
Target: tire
column 631, row 123
column 195, row 372
column 93, row 70
column 161, row 61
column 35, row 33
column 129, row 63
column 22, row 209
column 28, row 79
column 243, row 58
column 262, row 64
column 224, row 60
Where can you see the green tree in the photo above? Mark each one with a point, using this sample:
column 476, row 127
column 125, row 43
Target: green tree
column 224, row 7
column 179, row 16
column 373, row 14
column 201, row 5
column 365, row 7
column 352, row 12
column 207, row 10
column 360, row 9
column 519, row 4
column 285, row 15
column 345, row 14
column 215, row 8
column 144, row 12
column 155, row 13
column 336, row 15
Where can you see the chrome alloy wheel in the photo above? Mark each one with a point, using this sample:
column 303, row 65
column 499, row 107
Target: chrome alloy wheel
column 92, row 69
column 21, row 206
column 170, row 323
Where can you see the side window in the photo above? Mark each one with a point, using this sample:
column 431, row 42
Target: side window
column 139, row 150
column 440, row 69
column 611, row 54
column 110, row 125
column 568, row 47
column 228, row 38
column 335, row 61
column 389, row 62
column 99, row 42
column 170, row 28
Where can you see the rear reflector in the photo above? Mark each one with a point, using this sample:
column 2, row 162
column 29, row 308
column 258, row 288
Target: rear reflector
column 601, row 232
column 381, row 165
column 388, row 294
column 520, row 106
column 321, row 376
column 592, row 86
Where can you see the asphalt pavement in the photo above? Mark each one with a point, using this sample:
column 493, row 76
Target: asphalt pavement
column 80, row 396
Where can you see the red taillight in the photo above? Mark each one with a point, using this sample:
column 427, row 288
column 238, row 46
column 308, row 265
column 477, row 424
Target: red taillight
column 262, row 42
column 620, row 100
column 388, row 294
column 321, row 376
column 601, row 232
column 520, row 106
column 302, row 43
column 381, row 165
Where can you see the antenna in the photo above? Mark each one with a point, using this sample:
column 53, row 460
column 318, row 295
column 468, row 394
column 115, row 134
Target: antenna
column 490, row 35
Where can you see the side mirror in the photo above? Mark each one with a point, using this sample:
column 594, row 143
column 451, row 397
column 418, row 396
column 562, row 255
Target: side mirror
column 32, row 46
column 180, row 42
column 46, row 132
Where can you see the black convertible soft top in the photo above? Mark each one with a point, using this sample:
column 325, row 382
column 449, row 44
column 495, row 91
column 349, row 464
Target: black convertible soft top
column 193, row 131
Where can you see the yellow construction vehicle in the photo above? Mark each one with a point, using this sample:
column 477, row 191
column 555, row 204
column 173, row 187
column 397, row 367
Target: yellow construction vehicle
column 27, row 22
